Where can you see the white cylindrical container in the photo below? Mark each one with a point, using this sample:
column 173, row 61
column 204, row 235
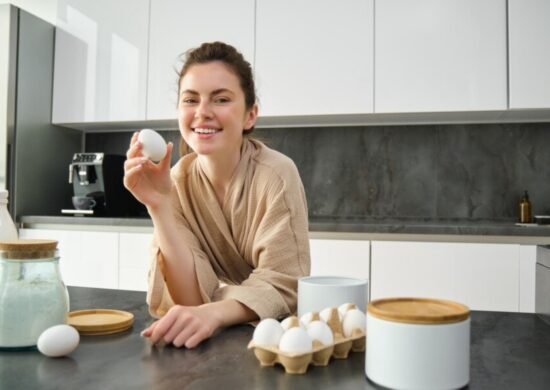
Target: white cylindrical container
column 416, row 343
column 316, row 293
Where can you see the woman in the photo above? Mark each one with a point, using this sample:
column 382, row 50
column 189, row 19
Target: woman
column 232, row 211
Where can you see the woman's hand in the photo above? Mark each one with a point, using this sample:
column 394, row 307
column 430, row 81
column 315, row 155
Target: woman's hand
column 150, row 183
column 184, row 325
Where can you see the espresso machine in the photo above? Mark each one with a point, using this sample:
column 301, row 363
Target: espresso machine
column 97, row 180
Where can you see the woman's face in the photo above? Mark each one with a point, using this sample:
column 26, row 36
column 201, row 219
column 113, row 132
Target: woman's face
column 211, row 109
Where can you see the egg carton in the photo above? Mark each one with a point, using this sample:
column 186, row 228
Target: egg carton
column 298, row 363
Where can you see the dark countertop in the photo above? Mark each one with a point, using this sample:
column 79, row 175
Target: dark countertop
column 345, row 225
column 508, row 351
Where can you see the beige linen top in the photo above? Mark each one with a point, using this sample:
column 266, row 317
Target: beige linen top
column 256, row 243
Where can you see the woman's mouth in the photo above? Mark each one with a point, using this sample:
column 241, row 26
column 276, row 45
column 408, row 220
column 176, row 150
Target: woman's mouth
column 207, row 131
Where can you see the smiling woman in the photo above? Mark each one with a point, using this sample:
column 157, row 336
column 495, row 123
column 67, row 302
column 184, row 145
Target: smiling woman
column 232, row 210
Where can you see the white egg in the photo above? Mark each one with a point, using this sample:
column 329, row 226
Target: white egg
column 268, row 333
column 354, row 319
column 59, row 340
column 154, row 146
column 325, row 314
column 296, row 340
column 320, row 331
column 305, row 319
column 343, row 309
column 287, row 322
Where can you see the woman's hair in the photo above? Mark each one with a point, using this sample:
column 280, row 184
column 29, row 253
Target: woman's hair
column 233, row 59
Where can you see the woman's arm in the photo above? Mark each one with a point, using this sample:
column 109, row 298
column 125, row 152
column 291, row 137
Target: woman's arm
column 151, row 184
column 184, row 325
column 178, row 265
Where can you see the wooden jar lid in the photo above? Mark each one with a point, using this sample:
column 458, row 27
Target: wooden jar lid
column 100, row 321
column 418, row 310
column 28, row 249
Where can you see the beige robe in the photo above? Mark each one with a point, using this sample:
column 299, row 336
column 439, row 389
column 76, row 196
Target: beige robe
column 256, row 244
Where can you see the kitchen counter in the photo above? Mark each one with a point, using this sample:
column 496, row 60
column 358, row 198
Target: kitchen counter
column 508, row 351
column 346, row 228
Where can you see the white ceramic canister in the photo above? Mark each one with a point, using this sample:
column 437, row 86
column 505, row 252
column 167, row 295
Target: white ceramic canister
column 418, row 343
column 316, row 293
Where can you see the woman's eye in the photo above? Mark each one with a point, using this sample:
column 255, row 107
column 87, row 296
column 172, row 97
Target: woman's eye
column 221, row 100
column 188, row 100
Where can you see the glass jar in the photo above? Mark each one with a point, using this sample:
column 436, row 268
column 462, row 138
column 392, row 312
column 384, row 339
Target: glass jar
column 33, row 296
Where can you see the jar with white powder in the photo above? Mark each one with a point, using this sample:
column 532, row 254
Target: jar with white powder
column 33, row 296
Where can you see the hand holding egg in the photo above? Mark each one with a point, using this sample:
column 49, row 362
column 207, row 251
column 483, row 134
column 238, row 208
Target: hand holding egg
column 154, row 146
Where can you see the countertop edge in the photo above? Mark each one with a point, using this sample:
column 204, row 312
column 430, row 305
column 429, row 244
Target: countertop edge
column 330, row 231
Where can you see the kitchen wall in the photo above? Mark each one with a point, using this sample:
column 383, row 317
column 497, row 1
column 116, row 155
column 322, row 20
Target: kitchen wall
column 431, row 172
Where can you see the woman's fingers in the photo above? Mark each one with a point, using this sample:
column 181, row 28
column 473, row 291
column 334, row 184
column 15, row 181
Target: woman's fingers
column 132, row 162
column 195, row 338
column 167, row 159
column 149, row 330
column 131, row 176
column 176, row 328
column 135, row 147
column 163, row 326
column 184, row 335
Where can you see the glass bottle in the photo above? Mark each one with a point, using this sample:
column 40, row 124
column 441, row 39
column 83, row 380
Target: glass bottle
column 33, row 296
column 525, row 209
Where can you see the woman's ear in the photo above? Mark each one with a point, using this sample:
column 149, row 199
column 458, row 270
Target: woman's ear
column 251, row 116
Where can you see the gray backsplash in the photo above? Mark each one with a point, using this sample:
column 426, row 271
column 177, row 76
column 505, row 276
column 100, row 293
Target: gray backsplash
column 428, row 172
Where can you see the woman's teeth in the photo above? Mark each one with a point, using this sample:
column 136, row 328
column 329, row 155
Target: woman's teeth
column 205, row 131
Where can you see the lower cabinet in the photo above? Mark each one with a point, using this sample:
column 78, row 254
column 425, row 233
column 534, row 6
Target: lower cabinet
column 133, row 260
column 340, row 258
column 99, row 259
column 88, row 259
column 498, row 277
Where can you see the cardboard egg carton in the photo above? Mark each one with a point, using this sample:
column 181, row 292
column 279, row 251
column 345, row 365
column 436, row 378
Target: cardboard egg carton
column 297, row 363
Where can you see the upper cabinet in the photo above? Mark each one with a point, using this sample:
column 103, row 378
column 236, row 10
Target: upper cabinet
column 434, row 55
column 315, row 62
column 100, row 69
column 177, row 26
column 529, row 53
column 314, row 57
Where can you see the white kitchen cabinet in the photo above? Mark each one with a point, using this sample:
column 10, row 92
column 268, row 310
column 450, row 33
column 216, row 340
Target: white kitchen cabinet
column 177, row 26
column 434, row 55
column 527, row 267
column 529, row 54
column 100, row 71
column 133, row 260
column 482, row 276
column 88, row 259
column 314, row 57
column 340, row 258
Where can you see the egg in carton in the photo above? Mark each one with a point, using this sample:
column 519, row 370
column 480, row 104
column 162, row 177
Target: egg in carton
column 275, row 342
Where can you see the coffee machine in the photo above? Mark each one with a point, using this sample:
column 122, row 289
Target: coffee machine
column 97, row 180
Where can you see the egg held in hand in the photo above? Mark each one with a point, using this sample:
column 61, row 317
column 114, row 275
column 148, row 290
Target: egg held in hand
column 154, row 146
column 268, row 333
column 58, row 340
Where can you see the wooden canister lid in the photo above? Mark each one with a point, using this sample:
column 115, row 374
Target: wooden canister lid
column 28, row 249
column 418, row 310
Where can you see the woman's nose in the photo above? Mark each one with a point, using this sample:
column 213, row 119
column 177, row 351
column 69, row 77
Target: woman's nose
column 203, row 110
